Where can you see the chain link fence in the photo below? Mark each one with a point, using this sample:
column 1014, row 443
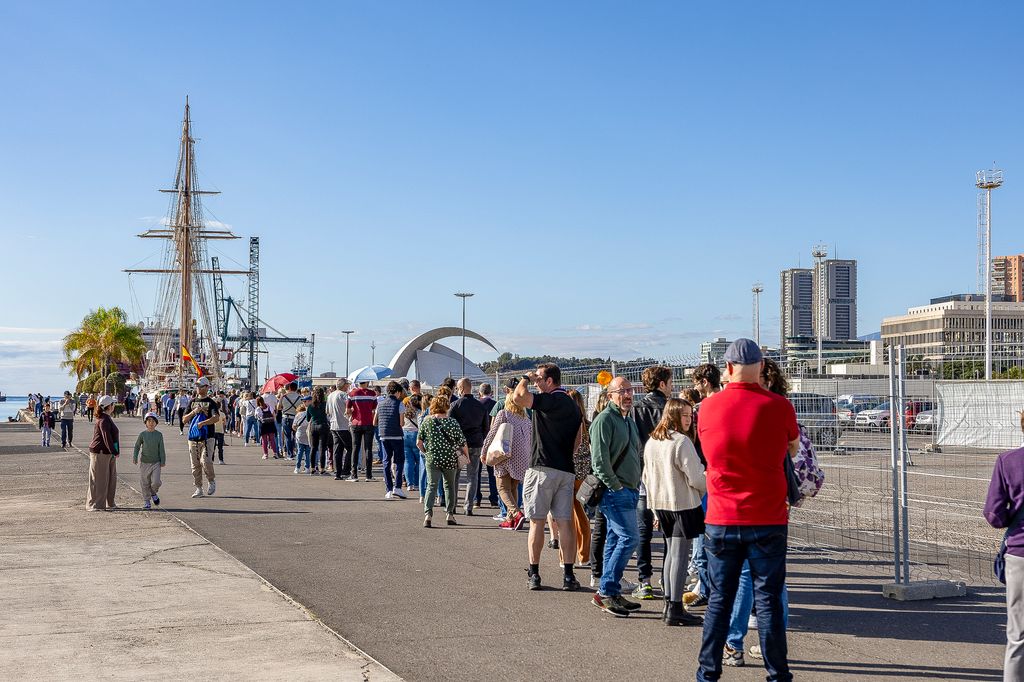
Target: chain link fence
column 952, row 432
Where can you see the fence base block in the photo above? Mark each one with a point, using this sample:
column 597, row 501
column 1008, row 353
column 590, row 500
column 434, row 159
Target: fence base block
column 924, row 589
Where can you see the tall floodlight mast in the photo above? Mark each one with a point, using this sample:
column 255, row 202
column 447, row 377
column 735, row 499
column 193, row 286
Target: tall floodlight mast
column 986, row 181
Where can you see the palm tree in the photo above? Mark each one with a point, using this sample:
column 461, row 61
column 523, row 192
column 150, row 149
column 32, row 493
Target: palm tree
column 105, row 338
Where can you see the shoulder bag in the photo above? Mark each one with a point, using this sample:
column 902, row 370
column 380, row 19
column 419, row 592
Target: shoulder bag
column 999, row 564
column 592, row 489
column 501, row 446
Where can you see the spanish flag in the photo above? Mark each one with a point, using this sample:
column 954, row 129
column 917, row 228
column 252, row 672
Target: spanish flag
column 185, row 355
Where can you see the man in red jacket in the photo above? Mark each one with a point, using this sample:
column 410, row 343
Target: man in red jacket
column 360, row 407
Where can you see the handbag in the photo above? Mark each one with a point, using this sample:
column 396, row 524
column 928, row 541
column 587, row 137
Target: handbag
column 501, row 446
column 999, row 564
column 591, row 489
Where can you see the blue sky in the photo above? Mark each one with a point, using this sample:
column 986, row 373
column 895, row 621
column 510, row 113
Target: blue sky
column 608, row 178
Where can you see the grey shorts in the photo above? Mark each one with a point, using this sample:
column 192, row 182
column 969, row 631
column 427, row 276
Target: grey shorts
column 547, row 490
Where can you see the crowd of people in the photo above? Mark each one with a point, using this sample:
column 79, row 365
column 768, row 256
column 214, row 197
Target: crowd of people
column 715, row 468
column 704, row 466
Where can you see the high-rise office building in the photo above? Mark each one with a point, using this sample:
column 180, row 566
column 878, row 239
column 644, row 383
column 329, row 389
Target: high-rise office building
column 796, row 298
column 1008, row 277
column 799, row 302
column 839, row 278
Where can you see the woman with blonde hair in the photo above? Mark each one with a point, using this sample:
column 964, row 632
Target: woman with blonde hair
column 440, row 438
column 674, row 478
column 509, row 474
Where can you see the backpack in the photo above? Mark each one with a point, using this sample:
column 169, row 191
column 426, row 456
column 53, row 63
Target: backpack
column 809, row 475
column 197, row 432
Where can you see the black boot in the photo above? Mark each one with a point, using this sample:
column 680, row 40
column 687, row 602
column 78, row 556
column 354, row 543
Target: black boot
column 677, row 615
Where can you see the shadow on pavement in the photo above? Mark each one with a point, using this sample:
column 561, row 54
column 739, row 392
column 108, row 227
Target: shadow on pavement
column 229, row 511
column 880, row 670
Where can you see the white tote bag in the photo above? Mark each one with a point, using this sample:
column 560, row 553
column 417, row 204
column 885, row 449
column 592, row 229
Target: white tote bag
column 501, row 446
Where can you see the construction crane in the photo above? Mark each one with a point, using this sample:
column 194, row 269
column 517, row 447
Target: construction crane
column 249, row 336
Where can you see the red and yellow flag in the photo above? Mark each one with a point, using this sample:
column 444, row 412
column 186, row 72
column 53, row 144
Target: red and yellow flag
column 185, row 355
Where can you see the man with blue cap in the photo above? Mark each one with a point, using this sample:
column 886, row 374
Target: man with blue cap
column 746, row 433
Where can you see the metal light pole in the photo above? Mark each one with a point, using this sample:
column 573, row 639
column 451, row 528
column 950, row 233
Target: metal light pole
column 988, row 181
column 820, row 253
column 757, row 289
column 463, row 295
column 373, row 352
column 346, row 333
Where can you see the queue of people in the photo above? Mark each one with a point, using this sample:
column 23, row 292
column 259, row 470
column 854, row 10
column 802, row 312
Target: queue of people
column 691, row 465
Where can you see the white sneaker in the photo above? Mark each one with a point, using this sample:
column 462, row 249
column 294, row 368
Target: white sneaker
column 498, row 517
column 296, row 470
column 198, row 492
column 595, row 581
column 388, row 496
column 212, row 489
column 305, row 470
column 398, row 493
column 627, row 587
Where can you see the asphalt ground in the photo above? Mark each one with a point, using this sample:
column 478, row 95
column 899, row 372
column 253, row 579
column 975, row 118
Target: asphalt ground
column 450, row 603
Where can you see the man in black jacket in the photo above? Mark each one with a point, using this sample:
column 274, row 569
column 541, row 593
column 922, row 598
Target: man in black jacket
column 647, row 413
column 471, row 416
column 492, row 485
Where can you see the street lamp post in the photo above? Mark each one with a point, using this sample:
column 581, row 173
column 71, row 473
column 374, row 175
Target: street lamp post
column 463, row 295
column 373, row 352
column 346, row 333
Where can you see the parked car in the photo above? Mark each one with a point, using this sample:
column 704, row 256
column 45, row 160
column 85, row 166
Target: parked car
column 817, row 414
column 874, row 418
column 913, row 408
column 927, row 420
column 847, row 412
column 851, row 399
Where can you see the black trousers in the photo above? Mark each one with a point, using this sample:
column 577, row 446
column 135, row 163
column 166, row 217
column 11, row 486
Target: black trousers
column 218, row 442
column 342, row 441
column 598, row 531
column 362, row 439
column 645, row 521
column 181, row 418
column 319, row 443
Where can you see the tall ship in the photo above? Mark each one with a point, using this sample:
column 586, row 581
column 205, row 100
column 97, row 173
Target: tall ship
column 189, row 334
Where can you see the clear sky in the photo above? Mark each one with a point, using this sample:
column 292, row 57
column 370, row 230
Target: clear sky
column 609, row 178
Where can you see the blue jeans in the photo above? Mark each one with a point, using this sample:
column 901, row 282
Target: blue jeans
column 380, row 444
column 252, row 425
column 741, row 609
column 412, row 458
column 393, row 456
column 764, row 547
column 289, row 436
column 623, row 535
column 303, row 452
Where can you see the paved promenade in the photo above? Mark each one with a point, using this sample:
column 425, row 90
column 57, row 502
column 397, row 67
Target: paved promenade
column 439, row 604
column 133, row 595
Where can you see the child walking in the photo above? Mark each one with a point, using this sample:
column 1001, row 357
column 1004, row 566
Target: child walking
column 151, row 444
column 47, row 421
column 301, row 428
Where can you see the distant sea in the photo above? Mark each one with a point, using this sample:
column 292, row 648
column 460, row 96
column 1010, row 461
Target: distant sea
column 11, row 407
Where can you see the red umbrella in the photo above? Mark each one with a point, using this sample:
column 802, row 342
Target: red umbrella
column 277, row 381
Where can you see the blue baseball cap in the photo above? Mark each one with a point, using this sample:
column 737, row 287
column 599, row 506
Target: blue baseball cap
column 743, row 352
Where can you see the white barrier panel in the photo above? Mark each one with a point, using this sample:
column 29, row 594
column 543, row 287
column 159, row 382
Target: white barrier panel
column 980, row 414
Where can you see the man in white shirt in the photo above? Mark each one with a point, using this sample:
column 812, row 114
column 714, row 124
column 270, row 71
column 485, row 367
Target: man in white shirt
column 341, row 437
column 289, row 406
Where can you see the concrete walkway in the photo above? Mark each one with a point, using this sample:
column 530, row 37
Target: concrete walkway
column 137, row 595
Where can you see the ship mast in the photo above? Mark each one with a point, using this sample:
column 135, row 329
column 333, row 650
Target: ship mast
column 187, row 236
